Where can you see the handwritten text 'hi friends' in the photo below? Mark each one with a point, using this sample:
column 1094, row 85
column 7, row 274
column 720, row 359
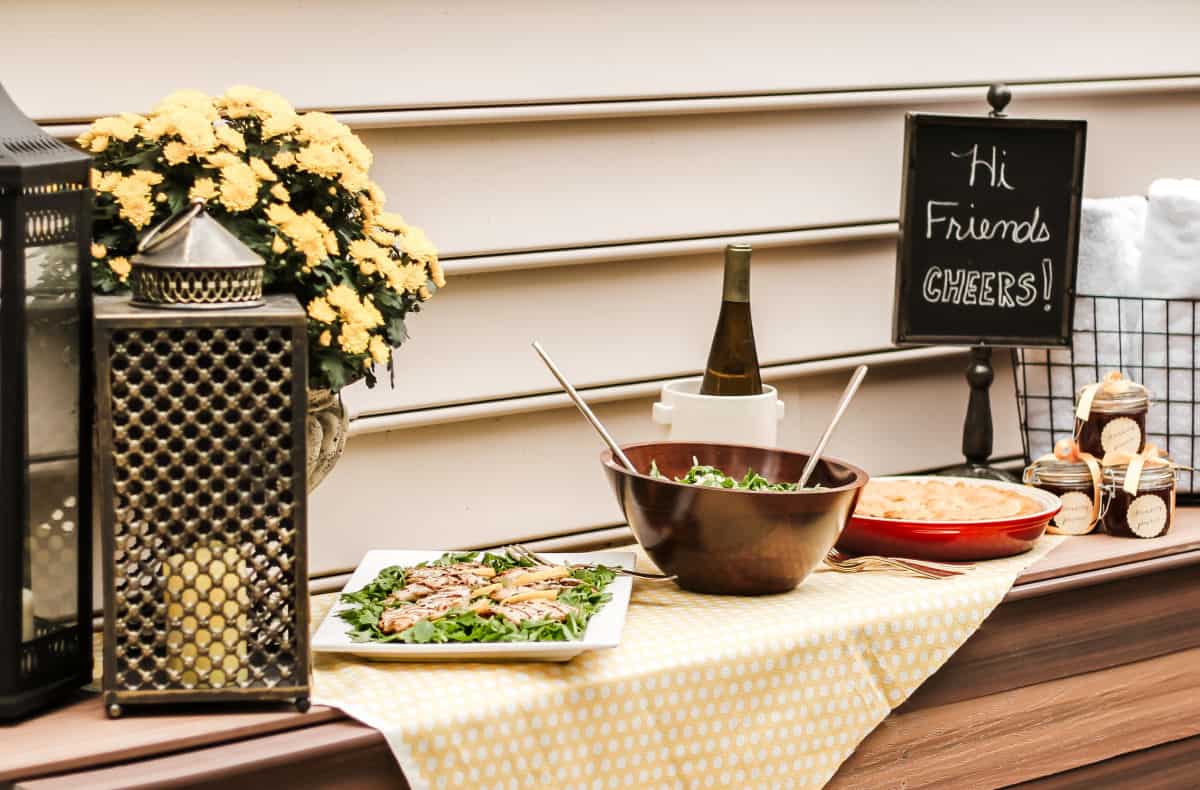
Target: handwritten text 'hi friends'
column 943, row 220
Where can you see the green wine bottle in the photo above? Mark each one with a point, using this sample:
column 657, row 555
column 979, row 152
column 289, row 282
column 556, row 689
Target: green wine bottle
column 733, row 359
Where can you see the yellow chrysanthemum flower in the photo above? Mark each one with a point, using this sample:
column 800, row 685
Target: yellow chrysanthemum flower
column 230, row 138
column 280, row 193
column 358, row 153
column 203, row 189
column 262, row 169
column 390, row 271
column 278, row 123
column 423, row 292
column 380, row 353
column 239, row 187
column 365, row 250
column 331, row 242
column 120, row 127
column 325, row 339
column 279, row 246
column 132, row 194
column 416, row 245
column 414, row 277
column 105, row 182
column 436, row 273
column 243, row 101
column 120, row 267
column 320, row 127
column 156, row 127
column 342, row 297
column 321, row 159
column 354, row 339
column 222, row 159
column 96, row 143
column 176, row 153
column 370, row 314
column 148, row 178
column 368, row 208
column 353, row 179
column 240, row 101
column 194, row 129
column 283, row 159
column 320, row 310
column 99, row 251
column 190, row 100
column 381, row 237
column 391, row 221
column 306, row 231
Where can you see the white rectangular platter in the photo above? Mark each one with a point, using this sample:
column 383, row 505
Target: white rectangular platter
column 603, row 631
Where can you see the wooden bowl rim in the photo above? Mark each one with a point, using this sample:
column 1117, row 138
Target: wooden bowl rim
column 860, row 474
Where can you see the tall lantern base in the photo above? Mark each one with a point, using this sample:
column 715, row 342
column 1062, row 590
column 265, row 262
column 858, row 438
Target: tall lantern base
column 203, row 503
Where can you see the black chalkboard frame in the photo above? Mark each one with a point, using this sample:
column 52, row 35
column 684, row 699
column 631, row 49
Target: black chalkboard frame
column 913, row 123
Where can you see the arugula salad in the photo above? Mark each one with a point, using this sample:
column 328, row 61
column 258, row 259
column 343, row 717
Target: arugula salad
column 712, row 477
column 477, row 597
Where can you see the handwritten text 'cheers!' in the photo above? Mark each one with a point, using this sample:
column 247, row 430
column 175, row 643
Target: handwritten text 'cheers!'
column 984, row 288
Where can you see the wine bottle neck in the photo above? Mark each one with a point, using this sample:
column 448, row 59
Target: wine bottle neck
column 737, row 274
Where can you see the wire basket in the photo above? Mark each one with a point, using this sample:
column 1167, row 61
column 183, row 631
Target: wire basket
column 1153, row 341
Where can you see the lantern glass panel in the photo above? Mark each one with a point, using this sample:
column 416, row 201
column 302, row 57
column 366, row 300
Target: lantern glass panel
column 52, row 338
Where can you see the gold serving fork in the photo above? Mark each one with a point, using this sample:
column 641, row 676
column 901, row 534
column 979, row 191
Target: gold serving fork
column 925, row 569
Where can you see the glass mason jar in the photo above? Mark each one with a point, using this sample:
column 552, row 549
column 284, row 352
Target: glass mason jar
column 1071, row 482
column 1148, row 513
column 1116, row 422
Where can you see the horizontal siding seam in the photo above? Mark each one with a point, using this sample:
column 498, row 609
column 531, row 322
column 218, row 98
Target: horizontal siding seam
column 383, row 422
column 667, row 248
column 583, row 109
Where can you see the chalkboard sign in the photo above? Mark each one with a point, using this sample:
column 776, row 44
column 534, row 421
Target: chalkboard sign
column 989, row 230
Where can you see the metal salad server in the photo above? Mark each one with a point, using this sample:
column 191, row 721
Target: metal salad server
column 587, row 412
column 847, row 395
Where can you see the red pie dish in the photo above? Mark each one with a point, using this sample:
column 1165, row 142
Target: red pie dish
column 961, row 539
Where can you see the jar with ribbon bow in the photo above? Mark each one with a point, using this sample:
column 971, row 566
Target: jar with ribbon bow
column 1076, row 479
column 1110, row 416
column 1141, row 494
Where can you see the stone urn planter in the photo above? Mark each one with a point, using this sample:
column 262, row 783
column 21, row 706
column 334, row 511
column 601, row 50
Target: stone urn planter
column 327, row 426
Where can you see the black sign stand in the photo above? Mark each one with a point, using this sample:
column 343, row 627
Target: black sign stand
column 977, row 427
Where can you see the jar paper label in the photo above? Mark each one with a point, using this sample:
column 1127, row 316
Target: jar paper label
column 1147, row 517
column 1121, row 435
column 1075, row 518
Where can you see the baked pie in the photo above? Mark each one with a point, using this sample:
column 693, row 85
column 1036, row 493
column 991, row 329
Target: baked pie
column 942, row 500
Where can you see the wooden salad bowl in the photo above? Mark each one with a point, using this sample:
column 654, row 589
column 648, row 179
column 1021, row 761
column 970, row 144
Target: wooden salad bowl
column 730, row 542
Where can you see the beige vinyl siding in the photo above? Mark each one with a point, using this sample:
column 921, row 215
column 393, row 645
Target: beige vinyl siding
column 367, row 54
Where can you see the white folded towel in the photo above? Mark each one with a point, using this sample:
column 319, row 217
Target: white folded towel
column 1109, row 232
column 1170, row 248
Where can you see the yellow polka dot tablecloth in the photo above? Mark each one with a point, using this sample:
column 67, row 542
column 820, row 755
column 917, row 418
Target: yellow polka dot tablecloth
column 704, row 691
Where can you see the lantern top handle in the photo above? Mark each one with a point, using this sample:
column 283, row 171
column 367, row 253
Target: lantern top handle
column 161, row 234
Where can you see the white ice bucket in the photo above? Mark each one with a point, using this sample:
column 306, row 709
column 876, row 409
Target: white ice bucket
column 723, row 419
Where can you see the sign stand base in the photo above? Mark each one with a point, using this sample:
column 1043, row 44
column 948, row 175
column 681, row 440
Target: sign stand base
column 977, row 428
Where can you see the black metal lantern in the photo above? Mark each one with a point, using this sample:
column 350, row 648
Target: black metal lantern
column 45, row 416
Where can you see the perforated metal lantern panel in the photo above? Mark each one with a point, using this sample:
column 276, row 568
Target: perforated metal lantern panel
column 203, row 495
